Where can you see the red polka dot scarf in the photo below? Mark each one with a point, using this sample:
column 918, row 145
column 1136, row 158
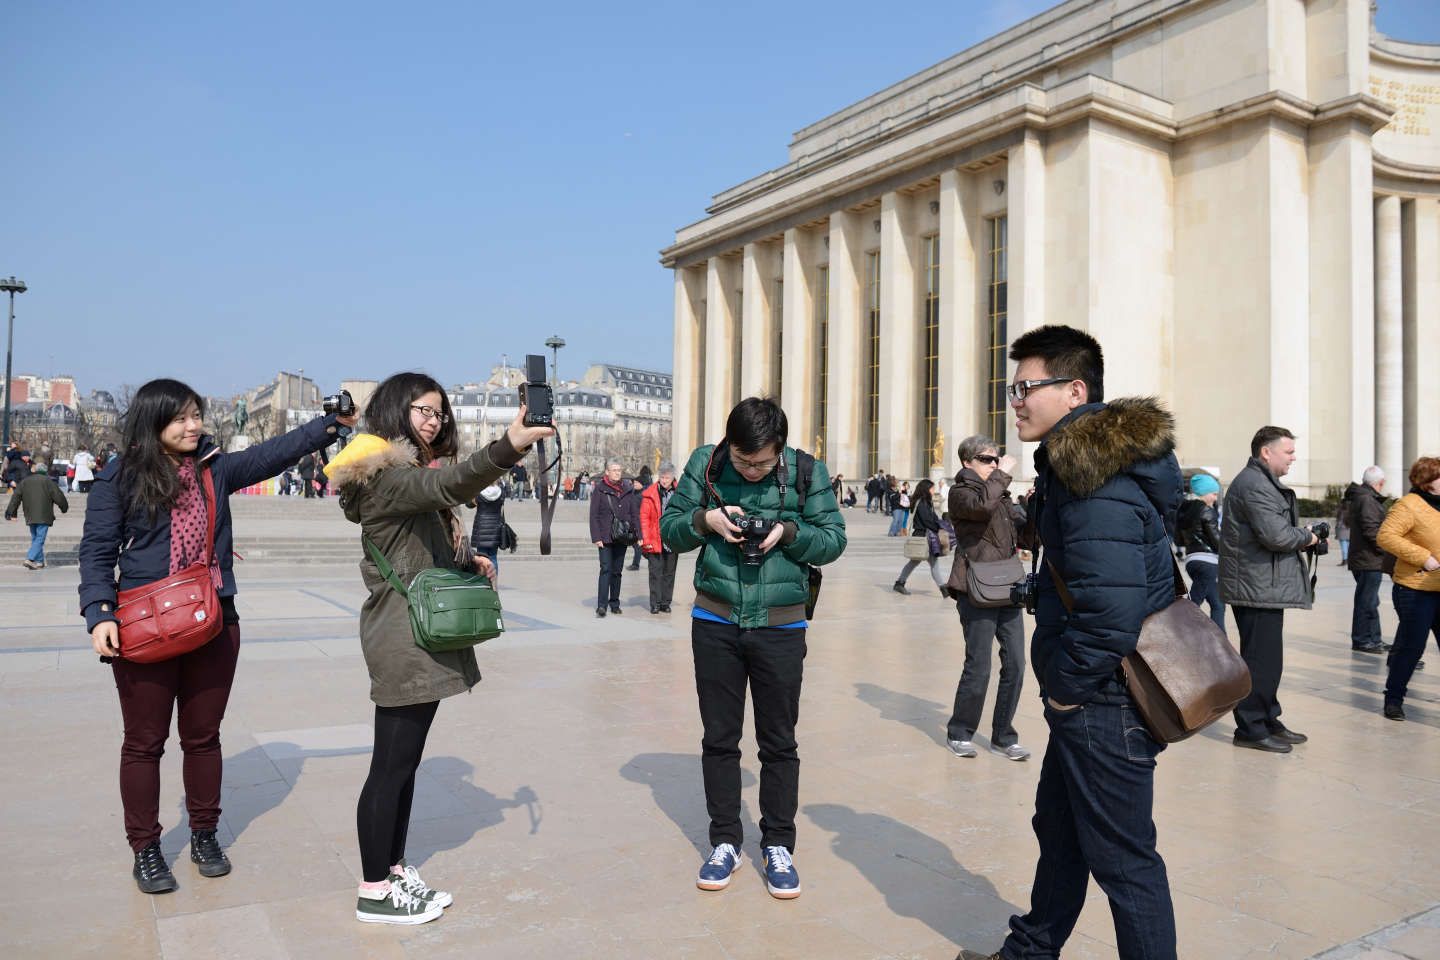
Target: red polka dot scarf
column 188, row 525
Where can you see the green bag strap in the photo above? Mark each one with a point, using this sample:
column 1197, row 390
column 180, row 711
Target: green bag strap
column 385, row 569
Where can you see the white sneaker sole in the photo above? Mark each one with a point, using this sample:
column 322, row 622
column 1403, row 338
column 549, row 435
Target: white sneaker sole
column 779, row 894
column 1002, row 753
column 411, row 920
column 719, row 884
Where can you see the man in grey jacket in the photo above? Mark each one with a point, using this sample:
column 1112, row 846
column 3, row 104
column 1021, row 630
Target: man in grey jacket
column 1263, row 572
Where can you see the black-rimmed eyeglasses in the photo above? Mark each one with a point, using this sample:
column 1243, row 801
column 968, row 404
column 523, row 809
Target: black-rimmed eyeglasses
column 1020, row 389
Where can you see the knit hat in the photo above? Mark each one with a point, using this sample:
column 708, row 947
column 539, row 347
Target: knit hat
column 1203, row 483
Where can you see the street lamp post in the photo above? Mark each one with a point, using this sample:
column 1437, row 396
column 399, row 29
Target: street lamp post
column 11, row 286
column 555, row 343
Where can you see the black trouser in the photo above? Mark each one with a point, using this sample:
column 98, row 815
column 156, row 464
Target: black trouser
column 635, row 558
column 382, row 816
column 309, row 484
column 1205, row 588
column 772, row 659
column 1365, row 616
column 1419, row 612
column 983, row 626
column 1263, row 650
column 662, row 577
column 612, row 564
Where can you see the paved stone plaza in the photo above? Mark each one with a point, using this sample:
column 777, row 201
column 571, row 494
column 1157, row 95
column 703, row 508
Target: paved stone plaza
column 561, row 801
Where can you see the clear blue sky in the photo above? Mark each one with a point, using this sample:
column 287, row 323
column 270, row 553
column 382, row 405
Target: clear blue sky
column 219, row 191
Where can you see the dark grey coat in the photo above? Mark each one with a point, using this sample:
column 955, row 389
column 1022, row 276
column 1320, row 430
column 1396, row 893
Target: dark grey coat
column 1261, row 564
column 406, row 510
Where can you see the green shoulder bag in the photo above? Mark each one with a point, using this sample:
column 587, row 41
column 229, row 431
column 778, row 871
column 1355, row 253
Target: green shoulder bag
column 449, row 609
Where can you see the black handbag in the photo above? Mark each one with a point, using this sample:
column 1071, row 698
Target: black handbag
column 508, row 539
column 622, row 532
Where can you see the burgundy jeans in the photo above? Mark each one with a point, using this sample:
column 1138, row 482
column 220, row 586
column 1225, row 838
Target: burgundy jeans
column 200, row 681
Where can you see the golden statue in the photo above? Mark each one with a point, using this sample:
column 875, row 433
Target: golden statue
column 937, row 452
column 819, row 447
column 657, row 461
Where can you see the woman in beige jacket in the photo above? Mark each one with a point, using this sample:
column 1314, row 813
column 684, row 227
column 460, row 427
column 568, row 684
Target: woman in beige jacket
column 1411, row 533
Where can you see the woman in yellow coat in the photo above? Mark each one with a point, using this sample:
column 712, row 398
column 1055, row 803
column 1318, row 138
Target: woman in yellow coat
column 1411, row 532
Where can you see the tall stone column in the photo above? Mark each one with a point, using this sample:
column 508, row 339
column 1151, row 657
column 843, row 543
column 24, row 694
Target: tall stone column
column 722, row 280
column 1421, row 245
column 960, row 361
column 847, row 369
column 688, row 390
column 1026, row 263
column 1389, row 339
column 757, row 337
column 798, row 336
column 900, row 373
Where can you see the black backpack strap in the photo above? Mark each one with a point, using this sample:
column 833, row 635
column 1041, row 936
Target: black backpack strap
column 804, row 472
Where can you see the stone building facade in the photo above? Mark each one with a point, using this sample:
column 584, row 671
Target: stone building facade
column 1239, row 198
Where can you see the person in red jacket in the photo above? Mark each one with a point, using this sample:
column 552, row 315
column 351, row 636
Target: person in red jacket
column 660, row 558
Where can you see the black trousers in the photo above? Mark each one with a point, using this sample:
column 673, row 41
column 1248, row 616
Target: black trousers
column 382, row 817
column 662, row 577
column 983, row 626
column 1263, row 650
column 772, row 660
column 612, row 566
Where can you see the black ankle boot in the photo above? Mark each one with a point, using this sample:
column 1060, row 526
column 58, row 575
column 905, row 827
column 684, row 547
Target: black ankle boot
column 206, row 853
column 151, row 873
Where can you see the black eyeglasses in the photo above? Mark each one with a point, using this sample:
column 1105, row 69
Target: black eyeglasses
column 986, row 458
column 430, row 413
column 1020, row 389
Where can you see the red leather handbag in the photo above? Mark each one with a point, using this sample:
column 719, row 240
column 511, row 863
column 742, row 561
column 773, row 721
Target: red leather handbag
column 171, row 617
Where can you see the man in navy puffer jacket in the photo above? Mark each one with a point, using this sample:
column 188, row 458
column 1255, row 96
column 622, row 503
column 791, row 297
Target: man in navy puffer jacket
column 1107, row 490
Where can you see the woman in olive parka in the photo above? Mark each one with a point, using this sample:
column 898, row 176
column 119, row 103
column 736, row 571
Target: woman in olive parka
column 392, row 482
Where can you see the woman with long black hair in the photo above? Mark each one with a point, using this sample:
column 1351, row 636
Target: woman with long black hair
column 407, row 511
column 149, row 513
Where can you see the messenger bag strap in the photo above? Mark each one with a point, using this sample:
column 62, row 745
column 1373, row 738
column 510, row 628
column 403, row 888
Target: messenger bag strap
column 212, row 508
column 385, row 569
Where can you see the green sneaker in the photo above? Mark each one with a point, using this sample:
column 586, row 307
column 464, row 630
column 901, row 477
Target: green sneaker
column 409, row 879
column 397, row 906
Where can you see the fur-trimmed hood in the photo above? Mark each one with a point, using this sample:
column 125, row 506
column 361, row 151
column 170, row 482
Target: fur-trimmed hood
column 365, row 456
column 1099, row 441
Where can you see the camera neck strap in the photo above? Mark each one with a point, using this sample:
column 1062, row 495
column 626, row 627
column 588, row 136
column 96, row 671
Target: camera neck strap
column 545, row 493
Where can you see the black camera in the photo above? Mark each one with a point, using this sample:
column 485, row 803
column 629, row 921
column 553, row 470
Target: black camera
column 339, row 403
column 1026, row 593
column 536, row 395
column 1322, row 544
column 753, row 531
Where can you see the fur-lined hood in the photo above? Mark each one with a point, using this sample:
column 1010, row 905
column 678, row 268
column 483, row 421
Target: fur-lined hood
column 365, row 456
column 1099, row 441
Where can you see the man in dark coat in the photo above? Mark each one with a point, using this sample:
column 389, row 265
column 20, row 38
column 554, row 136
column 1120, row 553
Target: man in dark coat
column 39, row 497
column 1262, row 574
column 1108, row 486
column 1364, row 506
column 307, row 475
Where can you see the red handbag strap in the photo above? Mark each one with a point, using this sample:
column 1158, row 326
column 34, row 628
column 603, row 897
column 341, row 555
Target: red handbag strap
column 212, row 507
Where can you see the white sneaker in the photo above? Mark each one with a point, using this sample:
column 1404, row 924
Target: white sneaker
column 962, row 748
column 1012, row 752
column 397, row 906
column 409, row 879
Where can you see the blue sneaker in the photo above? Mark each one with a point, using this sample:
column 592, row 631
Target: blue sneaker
column 780, row 877
column 715, row 873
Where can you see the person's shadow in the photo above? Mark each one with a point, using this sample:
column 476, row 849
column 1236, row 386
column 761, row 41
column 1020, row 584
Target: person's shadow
column 678, row 788
column 917, row 874
column 483, row 809
column 254, row 783
column 927, row 716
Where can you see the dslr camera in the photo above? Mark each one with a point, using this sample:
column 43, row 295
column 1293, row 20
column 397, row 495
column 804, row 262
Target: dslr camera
column 753, row 531
column 1322, row 544
column 1026, row 593
column 536, row 395
column 339, row 403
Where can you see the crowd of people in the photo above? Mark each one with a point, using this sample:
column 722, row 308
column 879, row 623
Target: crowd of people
column 1107, row 513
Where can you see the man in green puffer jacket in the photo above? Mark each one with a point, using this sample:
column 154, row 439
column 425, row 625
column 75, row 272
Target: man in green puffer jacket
column 748, row 623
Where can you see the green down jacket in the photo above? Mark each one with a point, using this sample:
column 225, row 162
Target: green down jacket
column 774, row 592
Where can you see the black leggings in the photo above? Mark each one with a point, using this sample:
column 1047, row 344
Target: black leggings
column 383, row 814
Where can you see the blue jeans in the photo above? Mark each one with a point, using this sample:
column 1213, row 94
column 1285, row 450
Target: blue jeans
column 38, row 532
column 899, row 520
column 1205, row 588
column 493, row 553
column 1419, row 612
column 1365, row 617
column 1093, row 816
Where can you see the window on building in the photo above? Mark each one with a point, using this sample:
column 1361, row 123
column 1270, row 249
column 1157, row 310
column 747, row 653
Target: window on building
column 872, row 387
column 931, row 406
column 996, row 404
column 779, row 313
column 822, row 325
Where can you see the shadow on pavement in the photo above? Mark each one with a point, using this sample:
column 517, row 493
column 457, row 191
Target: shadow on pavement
column 917, row 874
column 927, row 716
column 677, row 786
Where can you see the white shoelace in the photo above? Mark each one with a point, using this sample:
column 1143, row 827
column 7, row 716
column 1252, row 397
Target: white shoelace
column 721, row 852
column 779, row 859
column 412, row 883
column 403, row 899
